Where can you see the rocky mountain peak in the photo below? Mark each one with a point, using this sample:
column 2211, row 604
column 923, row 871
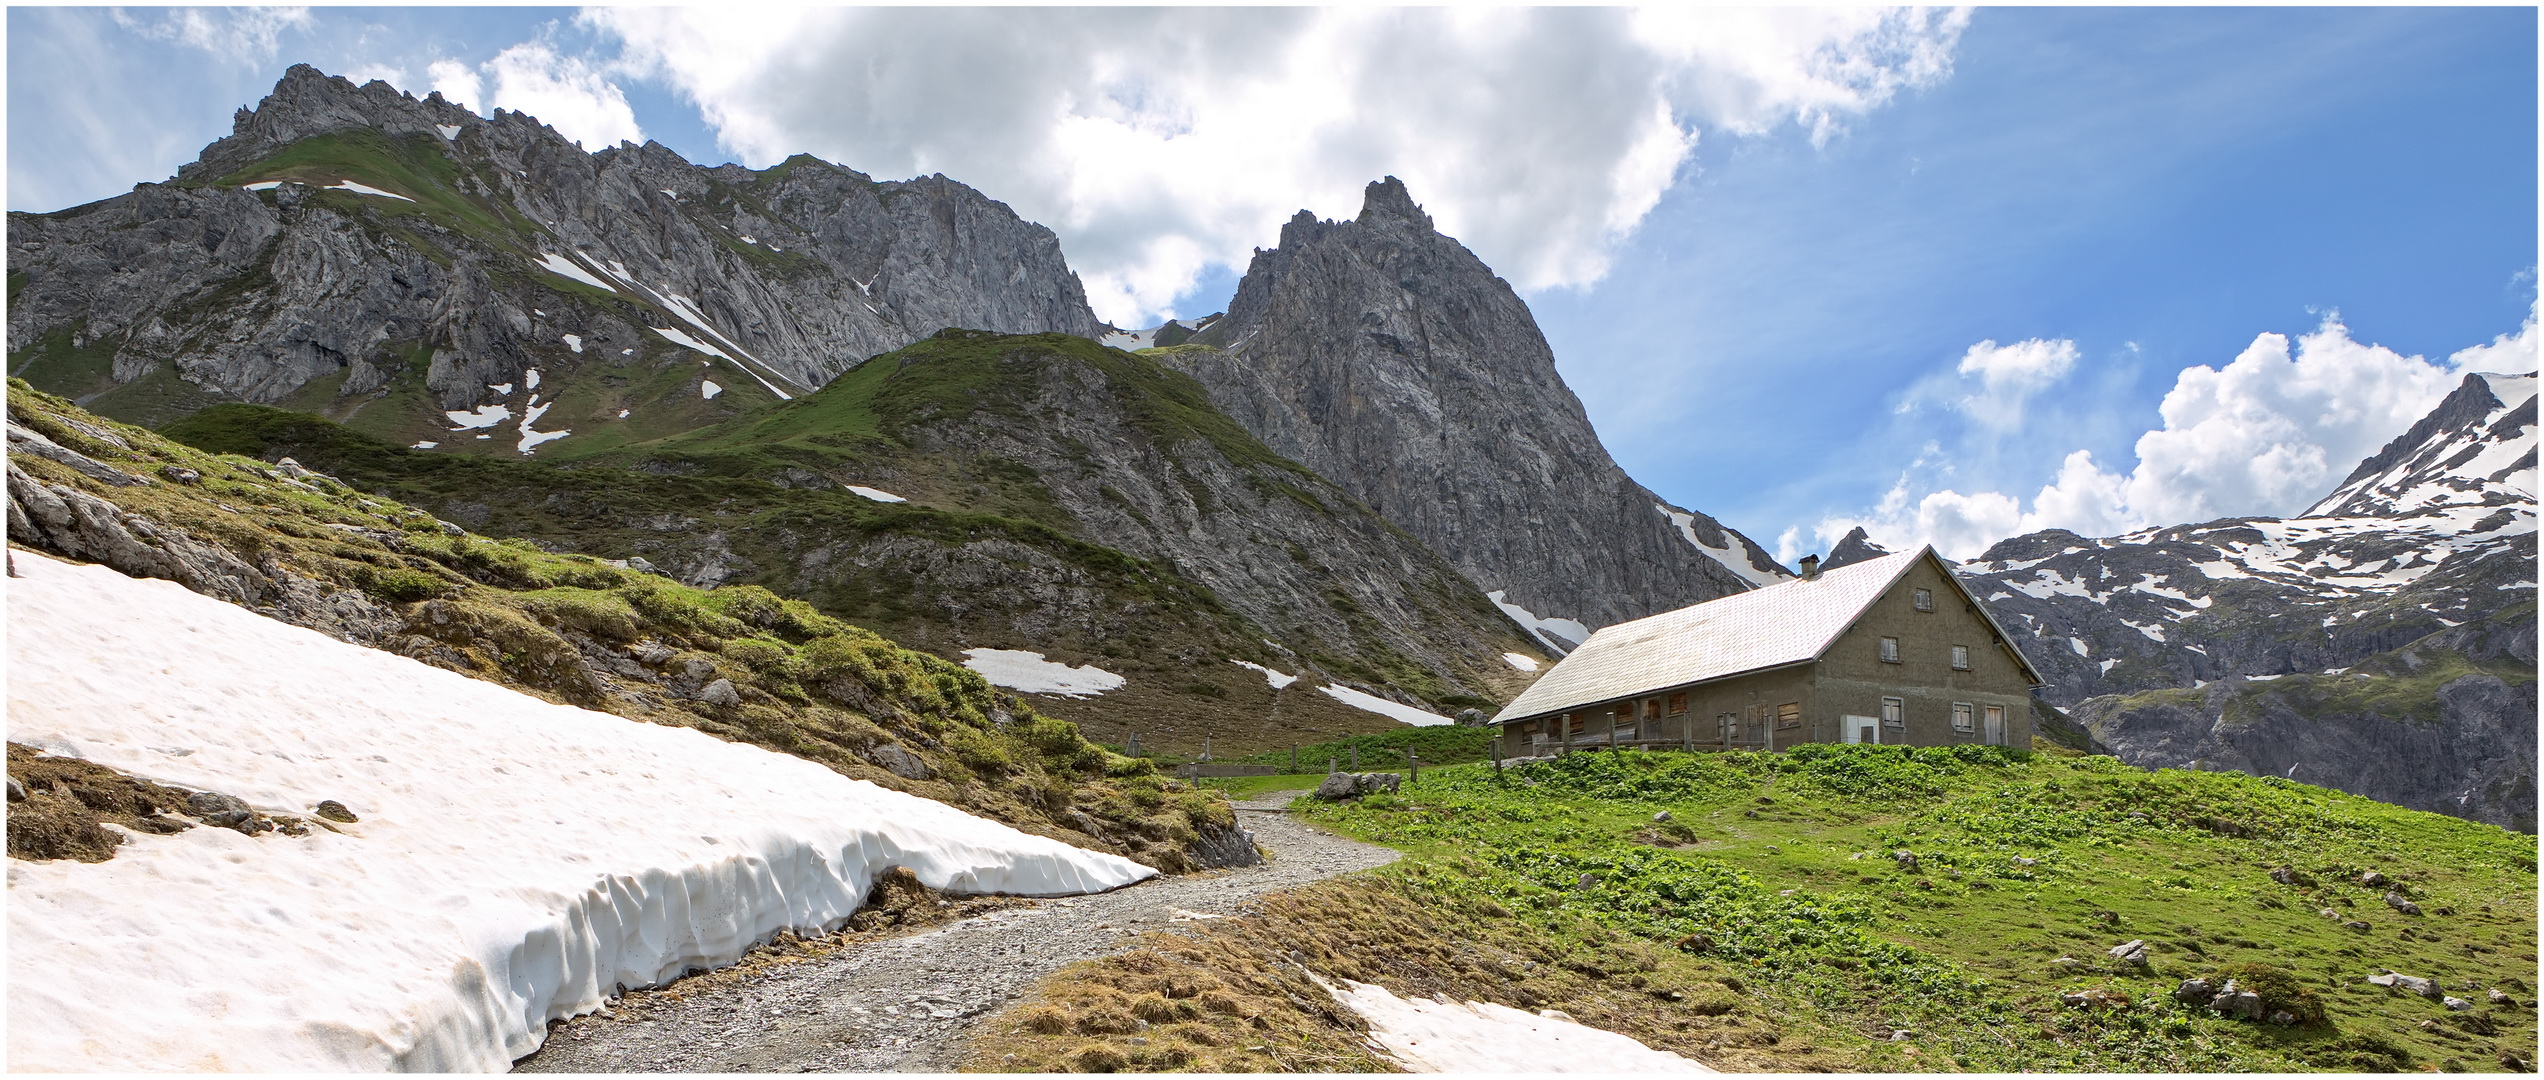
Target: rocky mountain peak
column 1391, row 360
column 2476, row 449
column 1858, row 546
column 1387, row 200
column 307, row 102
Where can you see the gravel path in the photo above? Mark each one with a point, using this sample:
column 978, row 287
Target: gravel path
column 908, row 1004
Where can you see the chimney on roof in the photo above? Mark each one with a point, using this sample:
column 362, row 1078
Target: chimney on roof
column 1810, row 568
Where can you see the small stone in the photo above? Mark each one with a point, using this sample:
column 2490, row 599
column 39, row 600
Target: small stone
column 2416, row 985
column 2291, row 876
column 2455, row 1004
column 2395, row 901
column 2284, row 1018
column 2133, row 952
column 2384, row 980
column 2498, row 998
column 2066, row 962
column 2373, row 879
column 17, row 791
column 2021, row 861
column 1662, row 816
column 720, row 692
column 2357, row 925
column 652, row 652
column 181, row 474
column 2195, row 992
column 2241, row 1004
column 205, row 804
column 2513, row 1063
column 335, row 811
column 1589, row 881
column 1907, row 860
column 290, row 468
column 2333, row 914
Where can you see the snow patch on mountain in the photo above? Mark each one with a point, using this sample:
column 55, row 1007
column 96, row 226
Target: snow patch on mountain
column 1394, row 710
column 1017, row 669
column 1732, row 558
column 1560, row 634
column 515, row 862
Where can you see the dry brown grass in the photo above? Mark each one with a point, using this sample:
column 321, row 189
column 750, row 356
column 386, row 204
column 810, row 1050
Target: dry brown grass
column 1233, row 996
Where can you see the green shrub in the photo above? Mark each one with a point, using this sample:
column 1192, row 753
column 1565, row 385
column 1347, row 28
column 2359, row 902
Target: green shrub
column 759, row 654
column 601, row 615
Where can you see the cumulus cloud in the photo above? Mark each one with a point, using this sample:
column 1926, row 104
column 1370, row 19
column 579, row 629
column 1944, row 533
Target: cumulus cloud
column 1162, row 142
column 457, row 83
column 568, row 93
column 2008, row 375
column 2269, row 433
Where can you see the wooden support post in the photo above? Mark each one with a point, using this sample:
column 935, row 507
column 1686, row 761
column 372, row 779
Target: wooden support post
column 1413, row 765
column 1329, row 765
column 1355, row 755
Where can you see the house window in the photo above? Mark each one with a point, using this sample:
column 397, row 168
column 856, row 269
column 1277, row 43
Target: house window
column 1789, row 715
column 1729, row 725
column 1890, row 650
column 1894, row 712
column 1924, row 599
column 1677, row 704
column 1652, row 709
column 1574, row 724
column 1961, row 717
column 1960, row 658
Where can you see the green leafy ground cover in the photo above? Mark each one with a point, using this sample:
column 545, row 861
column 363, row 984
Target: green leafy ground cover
column 1774, row 880
column 1385, row 750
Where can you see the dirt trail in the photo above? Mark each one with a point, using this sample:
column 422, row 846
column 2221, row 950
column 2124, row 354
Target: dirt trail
column 908, row 1004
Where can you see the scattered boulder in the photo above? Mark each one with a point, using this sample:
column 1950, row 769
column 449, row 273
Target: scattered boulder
column 1662, row 816
column 2372, row 879
column 1907, row 860
column 2396, row 901
column 181, row 474
column 2240, row 1004
column 720, row 692
column 1589, row 881
column 2096, row 998
column 2284, row 1018
column 290, row 468
column 2407, row 983
column 2133, row 952
column 2067, row 962
column 2333, row 914
column 2359, row 926
column 1344, row 785
column 2021, row 861
column 906, row 765
column 2195, row 992
column 2455, row 1004
column 336, row 811
column 2498, row 998
column 2291, row 876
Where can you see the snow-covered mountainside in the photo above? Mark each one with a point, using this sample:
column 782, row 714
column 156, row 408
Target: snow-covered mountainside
column 2262, row 640
column 473, row 284
column 512, row 861
column 1392, row 361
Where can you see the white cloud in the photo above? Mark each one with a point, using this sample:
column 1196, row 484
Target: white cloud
column 244, row 35
column 457, row 82
column 565, row 92
column 2009, row 375
column 2268, row 434
column 1160, row 142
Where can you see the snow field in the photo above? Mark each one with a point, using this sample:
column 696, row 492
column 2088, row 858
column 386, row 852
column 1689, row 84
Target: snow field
column 1561, row 635
column 1483, row 1037
column 516, row 860
column 1275, row 679
column 1017, row 669
column 876, row 494
column 1519, row 662
column 566, row 268
column 1383, row 707
column 1733, row 559
column 707, row 389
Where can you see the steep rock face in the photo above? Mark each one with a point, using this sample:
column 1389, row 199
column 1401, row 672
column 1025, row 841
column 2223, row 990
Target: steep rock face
column 470, row 251
column 1389, row 359
column 1858, row 546
column 1117, row 450
column 2379, row 616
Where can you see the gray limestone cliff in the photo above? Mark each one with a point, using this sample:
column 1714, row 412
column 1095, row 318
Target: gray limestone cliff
column 1391, row 360
column 382, row 259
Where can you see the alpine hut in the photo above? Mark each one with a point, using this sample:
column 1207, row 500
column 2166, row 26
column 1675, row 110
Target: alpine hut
column 1889, row 650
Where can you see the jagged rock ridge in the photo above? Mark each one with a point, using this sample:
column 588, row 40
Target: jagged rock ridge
column 468, row 251
column 1392, row 361
column 2382, row 643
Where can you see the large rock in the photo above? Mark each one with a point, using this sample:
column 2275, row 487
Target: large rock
column 1344, row 785
column 1391, row 360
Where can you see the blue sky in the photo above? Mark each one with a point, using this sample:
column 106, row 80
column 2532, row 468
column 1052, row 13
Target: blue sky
column 1771, row 299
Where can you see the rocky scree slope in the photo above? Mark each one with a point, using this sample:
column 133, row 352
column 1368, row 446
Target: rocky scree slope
column 1392, row 361
column 1116, row 450
column 432, row 276
column 2383, row 642
column 741, row 663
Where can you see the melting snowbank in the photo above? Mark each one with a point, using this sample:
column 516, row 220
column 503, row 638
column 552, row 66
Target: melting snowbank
column 1482, row 1037
column 1393, row 710
column 1560, row 634
column 1017, row 669
column 515, row 860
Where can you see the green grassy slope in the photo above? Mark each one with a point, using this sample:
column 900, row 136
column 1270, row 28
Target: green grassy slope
column 1774, row 879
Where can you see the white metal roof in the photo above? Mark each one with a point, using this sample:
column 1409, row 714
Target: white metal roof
column 1786, row 623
